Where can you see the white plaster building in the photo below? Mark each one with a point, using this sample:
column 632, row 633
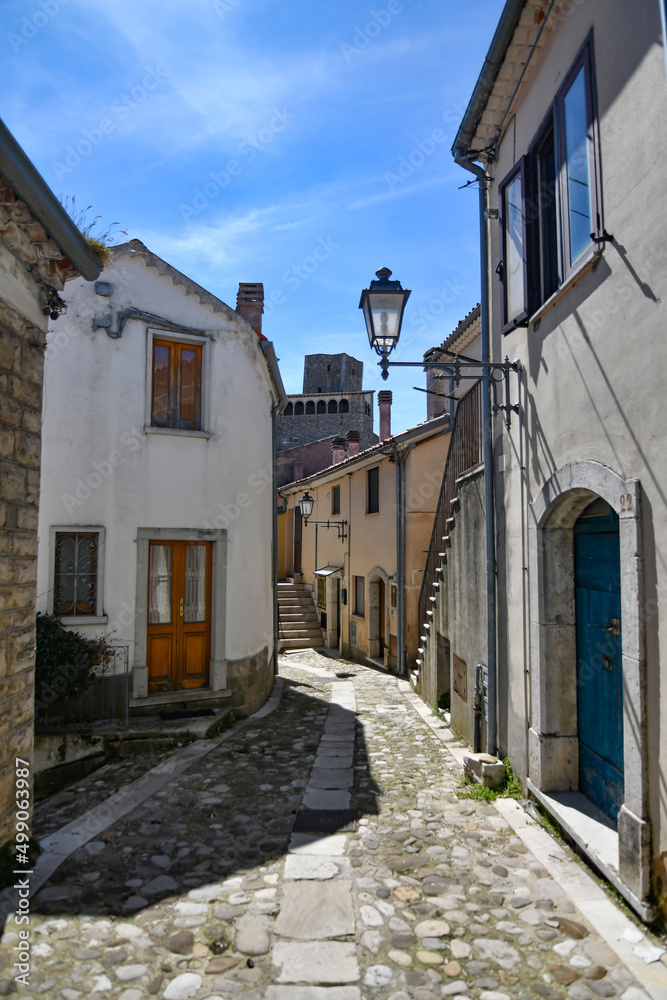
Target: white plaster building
column 156, row 523
column 566, row 131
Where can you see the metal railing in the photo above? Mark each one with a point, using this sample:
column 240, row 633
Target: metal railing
column 465, row 452
column 105, row 702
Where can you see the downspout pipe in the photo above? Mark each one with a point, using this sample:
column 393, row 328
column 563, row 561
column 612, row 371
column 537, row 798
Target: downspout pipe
column 463, row 159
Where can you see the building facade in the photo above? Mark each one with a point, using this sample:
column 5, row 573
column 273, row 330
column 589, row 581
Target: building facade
column 40, row 249
column 565, row 130
column 158, row 482
column 366, row 567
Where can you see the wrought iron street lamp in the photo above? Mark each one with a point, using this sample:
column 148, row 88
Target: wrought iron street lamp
column 383, row 304
column 306, row 505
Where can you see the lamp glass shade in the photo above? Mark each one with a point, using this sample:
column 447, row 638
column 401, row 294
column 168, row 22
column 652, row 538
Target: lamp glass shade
column 306, row 504
column 383, row 304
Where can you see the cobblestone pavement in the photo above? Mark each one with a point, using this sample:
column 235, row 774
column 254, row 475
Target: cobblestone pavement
column 204, row 890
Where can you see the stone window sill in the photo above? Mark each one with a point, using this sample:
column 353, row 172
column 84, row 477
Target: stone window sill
column 176, row 432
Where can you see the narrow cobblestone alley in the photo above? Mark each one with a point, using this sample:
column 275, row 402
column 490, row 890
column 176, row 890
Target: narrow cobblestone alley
column 201, row 887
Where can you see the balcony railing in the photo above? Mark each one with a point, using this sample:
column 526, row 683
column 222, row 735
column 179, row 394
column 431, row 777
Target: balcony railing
column 465, row 453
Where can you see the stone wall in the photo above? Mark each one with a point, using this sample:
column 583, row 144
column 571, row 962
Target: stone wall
column 459, row 619
column 251, row 682
column 332, row 373
column 302, row 423
column 21, row 371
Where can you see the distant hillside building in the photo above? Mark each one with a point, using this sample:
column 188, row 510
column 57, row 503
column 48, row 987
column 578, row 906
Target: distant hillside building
column 331, row 405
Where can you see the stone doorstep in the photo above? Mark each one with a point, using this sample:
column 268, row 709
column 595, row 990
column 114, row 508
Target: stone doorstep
column 590, row 830
column 180, row 701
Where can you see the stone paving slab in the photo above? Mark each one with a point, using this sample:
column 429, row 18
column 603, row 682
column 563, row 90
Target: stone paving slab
column 331, row 777
column 315, row 911
column 315, row 962
column 325, row 798
column 298, row 866
column 313, row 993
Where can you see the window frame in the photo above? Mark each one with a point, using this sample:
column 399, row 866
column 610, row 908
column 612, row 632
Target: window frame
column 359, row 585
column 186, row 340
column 335, row 499
column 517, row 171
column 99, row 617
column 535, row 258
column 375, row 473
column 584, row 60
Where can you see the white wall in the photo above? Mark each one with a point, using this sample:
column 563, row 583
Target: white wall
column 95, row 415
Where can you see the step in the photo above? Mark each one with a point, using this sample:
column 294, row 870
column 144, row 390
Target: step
column 301, row 633
column 302, row 643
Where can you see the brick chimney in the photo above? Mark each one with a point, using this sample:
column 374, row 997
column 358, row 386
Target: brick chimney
column 338, row 450
column 353, row 440
column 250, row 304
column 384, row 402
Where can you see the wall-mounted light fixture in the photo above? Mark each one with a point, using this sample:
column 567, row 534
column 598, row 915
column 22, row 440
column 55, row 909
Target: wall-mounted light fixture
column 306, row 506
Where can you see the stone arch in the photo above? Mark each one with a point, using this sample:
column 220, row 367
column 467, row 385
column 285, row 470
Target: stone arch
column 321, row 406
column 378, row 623
column 344, row 406
column 298, row 409
column 553, row 738
column 310, row 406
column 289, row 410
column 332, row 407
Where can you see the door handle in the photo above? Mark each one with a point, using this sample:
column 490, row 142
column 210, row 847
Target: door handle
column 181, row 607
column 614, row 627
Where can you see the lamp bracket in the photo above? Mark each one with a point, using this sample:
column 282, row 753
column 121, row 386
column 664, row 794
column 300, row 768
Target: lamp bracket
column 339, row 525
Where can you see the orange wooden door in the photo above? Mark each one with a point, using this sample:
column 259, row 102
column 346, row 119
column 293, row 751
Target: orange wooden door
column 179, row 615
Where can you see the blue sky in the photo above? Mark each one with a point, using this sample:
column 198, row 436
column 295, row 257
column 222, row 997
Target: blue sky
column 295, row 142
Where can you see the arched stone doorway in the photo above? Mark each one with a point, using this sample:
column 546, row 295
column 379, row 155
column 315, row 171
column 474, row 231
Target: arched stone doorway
column 553, row 737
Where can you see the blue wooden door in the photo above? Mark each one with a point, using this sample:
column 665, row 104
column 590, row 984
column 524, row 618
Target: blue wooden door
column 599, row 666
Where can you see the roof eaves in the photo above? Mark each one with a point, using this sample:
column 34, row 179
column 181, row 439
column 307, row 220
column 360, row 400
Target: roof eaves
column 30, row 187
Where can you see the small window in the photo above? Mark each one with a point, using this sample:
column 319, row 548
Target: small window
column 321, row 406
column 359, row 596
column 344, row 406
column 310, row 406
column 176, row 389
column 373, row 490
column 333, row 406
column 393, row 593
column 75, row 578
column 335, row 500
column 298, row 409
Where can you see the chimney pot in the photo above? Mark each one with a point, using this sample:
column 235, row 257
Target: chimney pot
column 250, row 304
column 353, row 442
column 338, row 450
column 384, row 403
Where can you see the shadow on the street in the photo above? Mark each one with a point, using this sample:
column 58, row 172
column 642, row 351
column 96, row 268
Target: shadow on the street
column 228, row 814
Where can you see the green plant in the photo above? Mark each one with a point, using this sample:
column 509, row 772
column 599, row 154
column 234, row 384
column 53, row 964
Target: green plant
column 65, row 661
column 445, row 701
column 512, row 788
column 101, row 241
column 473, row 790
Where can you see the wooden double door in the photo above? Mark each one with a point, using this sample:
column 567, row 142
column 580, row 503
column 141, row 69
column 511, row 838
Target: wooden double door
column 179, row 615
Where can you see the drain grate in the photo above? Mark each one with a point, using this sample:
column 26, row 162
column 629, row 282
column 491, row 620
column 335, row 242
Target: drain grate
column 325, row 821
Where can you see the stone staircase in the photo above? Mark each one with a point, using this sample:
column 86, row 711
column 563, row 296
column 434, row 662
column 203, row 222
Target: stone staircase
column 299, row 620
